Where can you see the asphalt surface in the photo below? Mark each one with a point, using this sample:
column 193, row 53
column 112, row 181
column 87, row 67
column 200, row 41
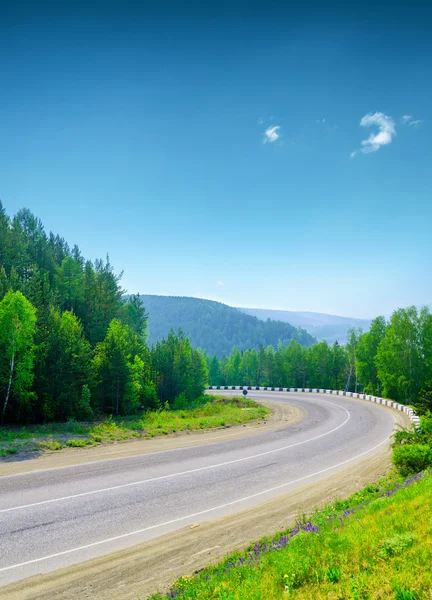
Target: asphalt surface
column 51, row 519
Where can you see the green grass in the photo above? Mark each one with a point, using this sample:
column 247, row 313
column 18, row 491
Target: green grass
column 371, row 546
column 208, row 413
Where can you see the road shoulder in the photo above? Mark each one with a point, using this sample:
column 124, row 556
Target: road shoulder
column 282, row 415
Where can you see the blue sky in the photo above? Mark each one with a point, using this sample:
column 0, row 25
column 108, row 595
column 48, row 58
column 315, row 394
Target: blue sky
column 141, row 132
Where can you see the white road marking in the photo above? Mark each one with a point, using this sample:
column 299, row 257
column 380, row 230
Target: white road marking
column 171, row 475
column 191, row 516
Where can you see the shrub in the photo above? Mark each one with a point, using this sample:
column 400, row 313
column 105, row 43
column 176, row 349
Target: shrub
column 412, row 458
column 52, row 445
column 84, row 411
column 10, row 450
column 75, row 443
column 396, row 544
column 180, row 402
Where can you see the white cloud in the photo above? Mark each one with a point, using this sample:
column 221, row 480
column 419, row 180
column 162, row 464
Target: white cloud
column 220, row 283
column 271, row 134
column 384, row 136
column 410, row 121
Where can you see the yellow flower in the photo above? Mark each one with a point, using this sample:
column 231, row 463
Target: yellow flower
column 285, row 576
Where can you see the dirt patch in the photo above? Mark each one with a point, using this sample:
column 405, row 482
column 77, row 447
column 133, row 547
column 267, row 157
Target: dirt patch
column 282, row 415
column 144, row 569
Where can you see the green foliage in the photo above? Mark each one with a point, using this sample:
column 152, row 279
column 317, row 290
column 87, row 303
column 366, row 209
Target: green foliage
column 334, row 574
column 412, row 458
column 205, row 412
column 404, row 355
column 413, row 448
column 179, row 369
column 71, row 346
column 52, row 445
column 64, row 368
column 404, row 594
column 393, row 359
column 366, row 352
column 84, row 411
column 215, row 326
column 115, row 370
column 78, row 443
column 396, row 544
column 378, row 549
column 17, row 350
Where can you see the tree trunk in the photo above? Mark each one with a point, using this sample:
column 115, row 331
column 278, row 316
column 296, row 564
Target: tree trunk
column 9, row 387
column 349, row 379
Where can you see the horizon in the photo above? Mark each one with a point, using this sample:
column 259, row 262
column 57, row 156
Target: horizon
column 311, row 312
column 254, row 155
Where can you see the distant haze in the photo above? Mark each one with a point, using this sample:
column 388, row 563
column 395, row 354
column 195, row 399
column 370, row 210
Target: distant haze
column 322, row 326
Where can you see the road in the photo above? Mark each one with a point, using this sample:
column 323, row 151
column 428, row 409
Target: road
column 51, row 519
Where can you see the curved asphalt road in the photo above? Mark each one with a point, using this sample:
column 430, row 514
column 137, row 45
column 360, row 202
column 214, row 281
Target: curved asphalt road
column 51, row 519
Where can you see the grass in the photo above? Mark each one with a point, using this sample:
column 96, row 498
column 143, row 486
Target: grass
column 375, row 545
column 208, row 413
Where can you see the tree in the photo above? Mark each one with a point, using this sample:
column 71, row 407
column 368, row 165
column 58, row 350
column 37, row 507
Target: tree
column 215, row 375
column 133, row 314
column 367, row 350
column 112, row 366
column 4, row 282
column 17, row 350
column 4, row 238
column 66, row 367
column 319, row 361
column 69, row 281
column 234, row 367
column 400, row 362
column 337, row 367
column 351, row 357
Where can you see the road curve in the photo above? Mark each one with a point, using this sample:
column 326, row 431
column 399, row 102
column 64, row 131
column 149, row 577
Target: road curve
column 51, row 519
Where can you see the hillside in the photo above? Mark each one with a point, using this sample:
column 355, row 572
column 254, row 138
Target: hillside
column 330, row 328
column 214, row 326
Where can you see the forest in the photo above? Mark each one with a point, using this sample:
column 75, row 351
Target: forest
column 216, row 326
column 71, row 346
column 393, row 359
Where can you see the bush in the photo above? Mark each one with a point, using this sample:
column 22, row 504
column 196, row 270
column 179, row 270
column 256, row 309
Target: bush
column 180, row 402
column 52, row 445
column 412, row 458
column 75, row 443
column 396, row 545
column 84, row 411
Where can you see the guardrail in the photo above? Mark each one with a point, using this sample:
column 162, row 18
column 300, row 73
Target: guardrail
column 406, row 409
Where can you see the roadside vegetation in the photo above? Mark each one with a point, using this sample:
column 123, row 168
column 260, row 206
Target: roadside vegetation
column 207, row 412
column 393, row 359
column 376, row 544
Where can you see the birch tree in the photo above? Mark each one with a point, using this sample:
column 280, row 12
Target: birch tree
column 17, row 351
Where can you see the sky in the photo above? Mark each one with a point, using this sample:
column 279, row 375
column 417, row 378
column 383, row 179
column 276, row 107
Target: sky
column 256, row 153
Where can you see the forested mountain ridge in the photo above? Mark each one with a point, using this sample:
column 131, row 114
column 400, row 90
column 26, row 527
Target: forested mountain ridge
column 216, row 327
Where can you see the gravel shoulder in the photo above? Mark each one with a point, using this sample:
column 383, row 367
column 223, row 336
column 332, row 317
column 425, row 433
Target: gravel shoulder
column 282, row 415
column 139, row 571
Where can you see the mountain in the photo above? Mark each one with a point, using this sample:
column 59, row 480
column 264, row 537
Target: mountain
column 216, row 327
column 322, row 326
